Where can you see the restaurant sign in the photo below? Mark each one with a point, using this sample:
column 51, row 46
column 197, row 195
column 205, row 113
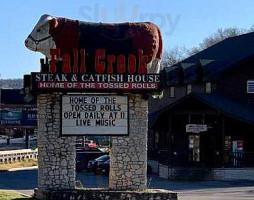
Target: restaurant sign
column 196, row 128
column 95, row 82
column 105, row 72
column 94, row 115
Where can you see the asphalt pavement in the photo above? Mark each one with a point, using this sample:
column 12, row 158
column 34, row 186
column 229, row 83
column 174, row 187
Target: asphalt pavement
column 15, row 143
column 25, row 181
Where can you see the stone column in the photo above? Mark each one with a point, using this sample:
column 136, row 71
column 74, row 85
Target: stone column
column 56, row 154
column 128, row 156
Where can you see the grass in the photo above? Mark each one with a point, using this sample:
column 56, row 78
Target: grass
column 12, row 195
column 18, row 164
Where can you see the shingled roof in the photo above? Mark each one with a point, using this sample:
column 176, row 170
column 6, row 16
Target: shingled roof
column 212, row 60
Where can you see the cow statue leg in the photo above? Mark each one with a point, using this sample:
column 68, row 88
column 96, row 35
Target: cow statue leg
column 154, row 66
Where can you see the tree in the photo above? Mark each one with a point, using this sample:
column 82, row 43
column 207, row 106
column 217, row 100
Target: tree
column 173, row 55
column 176, row 54
column 218, row 36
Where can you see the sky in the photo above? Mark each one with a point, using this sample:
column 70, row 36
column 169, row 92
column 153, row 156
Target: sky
column 183, row 22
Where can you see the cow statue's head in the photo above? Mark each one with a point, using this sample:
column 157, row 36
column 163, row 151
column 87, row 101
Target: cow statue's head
column 40, row 38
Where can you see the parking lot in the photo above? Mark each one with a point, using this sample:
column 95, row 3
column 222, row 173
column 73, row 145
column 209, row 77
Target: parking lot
column 205, row 190
column 16, row 143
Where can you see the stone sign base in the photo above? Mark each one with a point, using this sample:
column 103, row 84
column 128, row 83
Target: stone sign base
column 106, row 194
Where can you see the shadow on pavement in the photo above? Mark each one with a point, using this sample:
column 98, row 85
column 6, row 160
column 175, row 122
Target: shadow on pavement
column 27, row 180
column 19, row 180
column 156, row 182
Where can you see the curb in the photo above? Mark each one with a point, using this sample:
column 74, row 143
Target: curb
column 22, row 168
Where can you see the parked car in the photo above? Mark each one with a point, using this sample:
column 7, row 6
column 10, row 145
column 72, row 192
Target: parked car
column 93, row 164
column 31, row 138
column 3, row 137
column 90, row 143
column 103, row 168
column 84, row 154
column 85, row 143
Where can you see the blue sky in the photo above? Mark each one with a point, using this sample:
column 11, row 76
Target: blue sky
column 183, row 22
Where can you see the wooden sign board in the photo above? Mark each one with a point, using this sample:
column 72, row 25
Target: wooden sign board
column 94, row 115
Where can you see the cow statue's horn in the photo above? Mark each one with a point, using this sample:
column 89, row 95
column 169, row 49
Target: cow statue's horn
column 45, row 18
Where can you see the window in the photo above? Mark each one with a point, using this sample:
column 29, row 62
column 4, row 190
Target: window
column 172, row 92
column 208, row 88
column 250, row 86
column 188, row 89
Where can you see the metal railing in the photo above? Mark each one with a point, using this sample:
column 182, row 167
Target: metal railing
column 240, row 159
column 17, row 155
column 231, row 159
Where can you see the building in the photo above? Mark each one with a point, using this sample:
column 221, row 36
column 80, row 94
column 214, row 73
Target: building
column 206, row 117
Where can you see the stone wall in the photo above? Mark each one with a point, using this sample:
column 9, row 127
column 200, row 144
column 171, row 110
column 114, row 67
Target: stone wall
column 100, row 194
column 56, row 154
column 128, row 156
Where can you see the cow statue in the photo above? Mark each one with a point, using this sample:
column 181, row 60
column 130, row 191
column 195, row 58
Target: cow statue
column 116, row 38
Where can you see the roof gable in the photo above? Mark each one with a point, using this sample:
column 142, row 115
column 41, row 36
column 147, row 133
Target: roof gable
column 213, row 60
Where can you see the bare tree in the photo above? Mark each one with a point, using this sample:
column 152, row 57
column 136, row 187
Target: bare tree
column 176, row 54
column 173, row 55
column 218, row 36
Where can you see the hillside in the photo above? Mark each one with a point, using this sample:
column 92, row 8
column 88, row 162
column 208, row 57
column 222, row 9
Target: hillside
column 11, row 83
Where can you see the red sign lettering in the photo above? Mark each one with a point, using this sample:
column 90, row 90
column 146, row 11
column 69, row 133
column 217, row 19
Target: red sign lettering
column 103, row 63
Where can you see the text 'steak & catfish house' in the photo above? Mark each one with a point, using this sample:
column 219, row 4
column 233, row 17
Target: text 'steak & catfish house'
column 116, row 73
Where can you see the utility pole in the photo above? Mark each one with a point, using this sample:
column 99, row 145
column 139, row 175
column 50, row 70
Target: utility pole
column 27, row 138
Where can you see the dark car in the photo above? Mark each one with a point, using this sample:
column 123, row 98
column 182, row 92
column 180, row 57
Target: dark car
column 103, row 168
column 84, row 154
column 93, row 164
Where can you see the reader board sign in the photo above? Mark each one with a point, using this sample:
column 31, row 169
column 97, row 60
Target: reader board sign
column 94, row 115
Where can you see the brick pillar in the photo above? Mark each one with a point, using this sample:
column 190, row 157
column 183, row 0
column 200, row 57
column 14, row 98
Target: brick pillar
column 56, row 154
column 128, row 156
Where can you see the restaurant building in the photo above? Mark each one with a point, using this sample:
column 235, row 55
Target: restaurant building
column 205, row 120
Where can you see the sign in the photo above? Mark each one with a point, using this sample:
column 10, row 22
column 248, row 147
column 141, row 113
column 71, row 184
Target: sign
column 94, row 115
column 196, row 128
column 19, row 117
column 90, row 57
column 11, row 117
column 103, row 63
column 240, row 145
column 112, row 73
column 29, row 118
column 95, row 82
column 237, row 146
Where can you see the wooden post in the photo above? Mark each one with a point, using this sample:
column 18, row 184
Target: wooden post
column 223, row 142
column 170, row 146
